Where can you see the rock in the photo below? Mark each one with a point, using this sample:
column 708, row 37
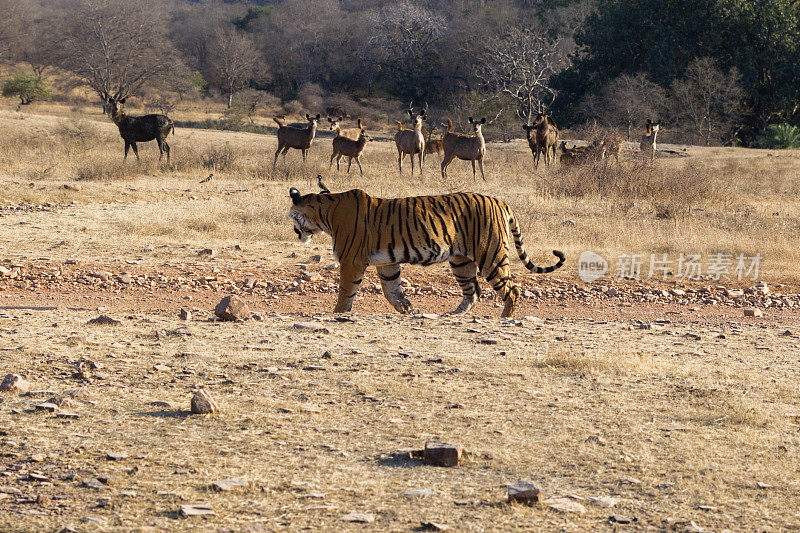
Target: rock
column 419, row 493
column 760, row 288
column 311, row 276
column 207, row 251
column 93, row 483
column 185, row 314
column 315, row 259
column 203, row 403
column 14, row 383
column 46, row 406
column 196, row 509
column 753, row 311
column 606, row 502
column 226, row 485
column 524, row 492
column 232, row 308
column 112, row 456
column 433, row 526
column 72, row 187
column 565, row 505
column 67, row 415
column 104, row 320
column 5, row 489
column 363, row 518
column 441, row 453
column 125, row 278
column 311, row 326
column 62, row 402
column 620, row 519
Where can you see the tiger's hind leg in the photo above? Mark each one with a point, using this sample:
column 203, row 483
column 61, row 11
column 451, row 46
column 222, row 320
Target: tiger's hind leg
column 350, row 278
column 498, row 275
column 393, row 288
column 466, row 270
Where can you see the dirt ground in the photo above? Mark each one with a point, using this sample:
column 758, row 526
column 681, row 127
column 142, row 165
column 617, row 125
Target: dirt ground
column 653, row 405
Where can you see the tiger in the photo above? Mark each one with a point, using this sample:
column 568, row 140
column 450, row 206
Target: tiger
column 469, row 230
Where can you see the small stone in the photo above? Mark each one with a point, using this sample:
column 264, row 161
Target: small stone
column 104, row 320
column 112, row 456
column 363, row 518
column 185, row 314
column 760, row 288
column 524, row 492
column 49, row 407
column 67, row 415
column 232, row 308
column 631, row 481
column 14, row 383
column 207, row 251
column 315, row 259
column 433, row 526
column 38, row 458
column 442, row 454
column 128, row 493
column 203, row 403
column 761, row 485
column 565, row 505
column 753, row 311
column 72, row 187
column 125, row 278
column 419, row 493
column 226, row 485
column 62, row 402
column 5, row 489
column 620, row 519
column 93, row 483
column 196, row 509
column 606, row 502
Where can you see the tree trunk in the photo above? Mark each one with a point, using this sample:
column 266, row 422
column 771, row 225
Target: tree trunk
column 230, row 99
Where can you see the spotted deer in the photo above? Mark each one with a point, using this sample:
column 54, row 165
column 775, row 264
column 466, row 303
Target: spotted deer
column 350, row 133
column 467, row 147
column 295, row 137
column 410, row 142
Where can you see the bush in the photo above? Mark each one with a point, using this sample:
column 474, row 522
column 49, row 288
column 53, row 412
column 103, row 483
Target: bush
column 219, row 159
column 780, row 136
column 27, row 88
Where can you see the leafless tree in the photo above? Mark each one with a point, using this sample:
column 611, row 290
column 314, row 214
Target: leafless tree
column 627, row 101
column 232, row 61
column 10, row 26
column 709, row 100
column 519, row 65
column 116, row 47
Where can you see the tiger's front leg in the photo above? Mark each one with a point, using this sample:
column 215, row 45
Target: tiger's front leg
column 350, row 277
column 465, row 271
column 393, row 288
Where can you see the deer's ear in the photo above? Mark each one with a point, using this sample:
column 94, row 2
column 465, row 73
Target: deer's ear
column 308, row 117
column 330, row 120
column 410, row 113
column 295, row 195
column 122, row 100
column 470, row 120
column 318, row 116
column 483, row 120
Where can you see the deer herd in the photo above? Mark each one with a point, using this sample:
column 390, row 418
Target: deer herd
column 542, row 136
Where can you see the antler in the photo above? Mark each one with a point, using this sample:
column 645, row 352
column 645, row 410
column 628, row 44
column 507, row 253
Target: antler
column 425, row 109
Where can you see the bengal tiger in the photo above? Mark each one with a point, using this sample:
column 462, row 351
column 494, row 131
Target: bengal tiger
column 469, row 230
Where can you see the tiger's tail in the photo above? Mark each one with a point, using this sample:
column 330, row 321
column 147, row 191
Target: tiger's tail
column 523, row 255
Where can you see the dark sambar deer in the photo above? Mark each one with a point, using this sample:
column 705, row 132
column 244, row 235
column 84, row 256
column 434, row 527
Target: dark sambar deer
column 141, row 129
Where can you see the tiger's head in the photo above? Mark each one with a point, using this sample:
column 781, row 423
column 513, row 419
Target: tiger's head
column 306, row 215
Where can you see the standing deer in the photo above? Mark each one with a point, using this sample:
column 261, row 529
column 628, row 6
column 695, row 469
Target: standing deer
column 141, row 129
column 343, row 146
column 432, row 146
column 410, row 141
column 350, row 133
column 648, row 143
column 542, row 138
column 612, row 146
column 295, row 137
column 467, row 147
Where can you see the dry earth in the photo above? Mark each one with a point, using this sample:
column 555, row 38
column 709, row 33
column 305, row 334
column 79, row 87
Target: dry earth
column 660, row 398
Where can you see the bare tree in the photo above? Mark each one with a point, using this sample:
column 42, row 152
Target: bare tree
column 519, row 66
column 232, row 61
column 116, row 47
column 10, row 26
column 709, row 100
column 627, row 100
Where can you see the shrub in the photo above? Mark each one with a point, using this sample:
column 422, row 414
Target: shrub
column 27, row 88
column 780, row 136
column 220, row 159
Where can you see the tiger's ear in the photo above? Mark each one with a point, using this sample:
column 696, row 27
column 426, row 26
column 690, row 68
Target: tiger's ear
column 295, row 195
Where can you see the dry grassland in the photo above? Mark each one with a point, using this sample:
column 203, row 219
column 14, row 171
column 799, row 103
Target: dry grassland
column 689, row 424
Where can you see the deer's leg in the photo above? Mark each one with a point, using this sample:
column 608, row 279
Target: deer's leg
column 480, row 165
column 412, row 165
column 350, row 277
column 135, row 152
column 446, row 161
column 349, row 163
column 465, row 270
column 420, row 164
column 127, row 147
column 278, row 151
column 304, row 155
column 333, row 155
column 393, row 288
column 159, row 142
column 400, row 161
column 474, row 177
column 338, row 158
column 166, row 149
column 358, row 161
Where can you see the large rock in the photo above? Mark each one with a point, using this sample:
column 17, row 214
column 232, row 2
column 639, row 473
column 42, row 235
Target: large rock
column 232, row 308
column 441, row 453
column 14, row 383
column 203, row 403
column 524, row 492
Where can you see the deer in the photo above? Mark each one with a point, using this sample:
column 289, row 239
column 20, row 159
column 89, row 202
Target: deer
column 344, row 146
column 579, row 155
column 410, row 141
column 612, row 146
column 146, row 128
column 432, row 146
column 350, row 133
column 295, row 137
column 467, row 147
column 648, row 143
column 542, row 138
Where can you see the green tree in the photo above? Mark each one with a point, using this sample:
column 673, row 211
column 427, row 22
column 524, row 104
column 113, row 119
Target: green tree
column 26, row 87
